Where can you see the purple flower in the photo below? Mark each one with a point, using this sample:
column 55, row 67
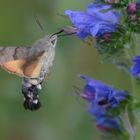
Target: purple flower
column 132, row 8
column 102, row 94
column 106, row 124
column 88, row 93
column 133, row 11
column 94, row 22
column 103, row 100
column 96, row 110
column 135, row 70
column 111, row 127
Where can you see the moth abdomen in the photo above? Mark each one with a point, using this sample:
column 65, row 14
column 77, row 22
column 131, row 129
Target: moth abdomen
column 31, row 97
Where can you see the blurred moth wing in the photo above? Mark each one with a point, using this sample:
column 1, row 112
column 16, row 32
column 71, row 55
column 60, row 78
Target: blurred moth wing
column 32, row 68
column 15, row 60
column 15, row 67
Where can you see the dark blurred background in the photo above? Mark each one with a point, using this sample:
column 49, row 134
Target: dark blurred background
column 63, row 114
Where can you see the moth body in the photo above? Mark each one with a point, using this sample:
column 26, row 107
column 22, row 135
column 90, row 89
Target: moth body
column 32, row 64
column 45, row 47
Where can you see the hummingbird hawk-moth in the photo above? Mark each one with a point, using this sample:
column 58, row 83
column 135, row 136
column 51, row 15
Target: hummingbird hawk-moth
column 33, row 64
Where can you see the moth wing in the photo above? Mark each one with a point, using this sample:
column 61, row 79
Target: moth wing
column 32, row 68
column 15, row 67
column 15, row 60
column 12, row 59
column 24, row 68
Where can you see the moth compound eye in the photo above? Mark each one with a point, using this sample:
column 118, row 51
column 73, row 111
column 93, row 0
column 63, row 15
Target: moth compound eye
column 53, row 39
column 53, row 42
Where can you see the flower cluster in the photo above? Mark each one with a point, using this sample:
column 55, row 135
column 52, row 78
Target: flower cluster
column 114, row 24
column 105, row 104
column 116, row 3
column 102, row 22
column 93, row 22
column 105, row 23
column 133, row 11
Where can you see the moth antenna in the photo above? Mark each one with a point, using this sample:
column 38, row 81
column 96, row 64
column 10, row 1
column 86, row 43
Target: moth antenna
column 39, row 23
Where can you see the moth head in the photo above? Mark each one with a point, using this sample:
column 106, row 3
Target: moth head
column 49, row 41
column 53, row 40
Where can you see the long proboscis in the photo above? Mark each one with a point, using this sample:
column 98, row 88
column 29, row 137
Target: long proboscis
column 66, row 32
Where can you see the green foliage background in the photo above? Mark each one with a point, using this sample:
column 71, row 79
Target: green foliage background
column 63, row 114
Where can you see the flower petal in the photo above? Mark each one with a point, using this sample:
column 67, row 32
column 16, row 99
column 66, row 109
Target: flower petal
column 135, row 69
column 97, row 7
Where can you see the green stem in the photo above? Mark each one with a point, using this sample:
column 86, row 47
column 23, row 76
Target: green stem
column 129, row 124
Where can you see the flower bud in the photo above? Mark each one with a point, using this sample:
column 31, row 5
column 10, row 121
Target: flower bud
column 115, row 3
column 133, row 17
column 131, row 8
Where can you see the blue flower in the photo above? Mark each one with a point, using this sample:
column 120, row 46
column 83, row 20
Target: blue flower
column 103, row 100
column 96, row 21
column 135, row 70
column 107, row 124
column 92, row 87
column 96, row 110
column 102, row 94
column 88, row 93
